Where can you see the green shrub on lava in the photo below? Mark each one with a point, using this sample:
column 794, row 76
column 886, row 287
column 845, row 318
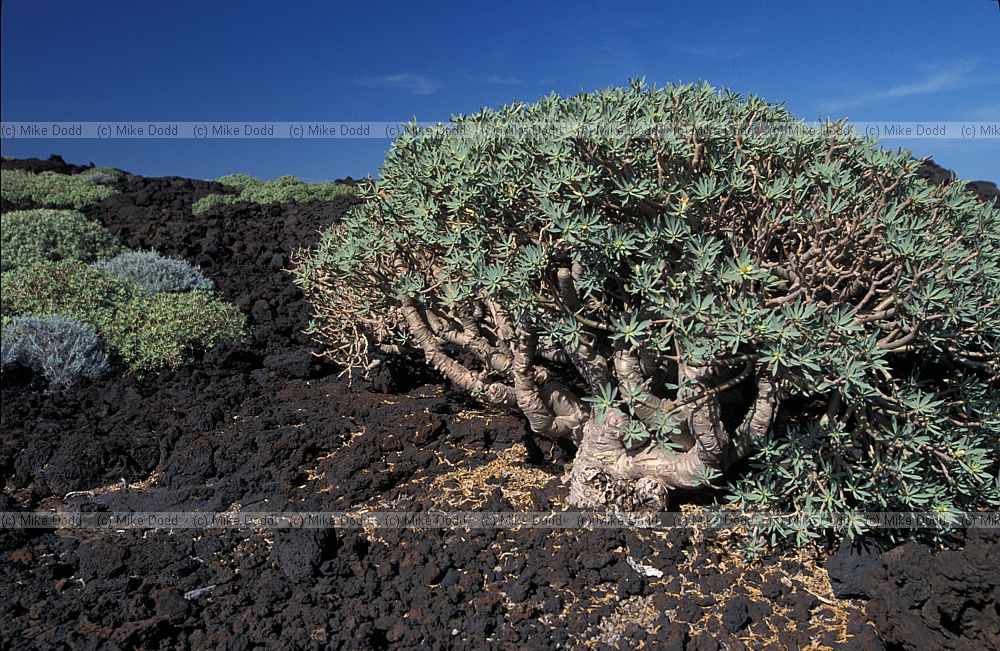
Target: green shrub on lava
column 143, row 332
column 102, row 175
column 674, row 300
column 67, row 287
column 30, row 236
column 164, row 329
column 52, row 190
column 285, row 189
column 208, row 202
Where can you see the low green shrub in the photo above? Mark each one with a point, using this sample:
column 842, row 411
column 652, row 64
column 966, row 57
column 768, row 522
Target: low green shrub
column 52, row 190
column 239, row 181
column 63, row 350
column 102, row 175
column 143, row 331
column 29, row 236
column 289, row 189
column 285, row 189
column 212, row 201
column 157, row 330
column 67, row 287
column 156, row 273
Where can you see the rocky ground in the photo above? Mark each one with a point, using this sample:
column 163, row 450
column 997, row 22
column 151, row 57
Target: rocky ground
column 266, row 426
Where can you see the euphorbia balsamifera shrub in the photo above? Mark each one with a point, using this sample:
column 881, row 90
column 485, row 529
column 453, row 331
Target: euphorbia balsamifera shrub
column 676, row 300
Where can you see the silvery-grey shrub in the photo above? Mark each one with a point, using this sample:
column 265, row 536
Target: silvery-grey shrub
column 156, row 273
column 61, row 349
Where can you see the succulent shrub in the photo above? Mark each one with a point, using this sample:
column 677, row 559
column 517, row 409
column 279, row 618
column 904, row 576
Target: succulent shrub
column 674, row 300
column 60, row 349
column 144, row 332
column 52, row 190
column 29, row 236
column 285, row 189
column 156, row 273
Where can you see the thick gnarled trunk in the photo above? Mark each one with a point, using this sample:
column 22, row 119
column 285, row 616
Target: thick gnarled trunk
column 605, row 474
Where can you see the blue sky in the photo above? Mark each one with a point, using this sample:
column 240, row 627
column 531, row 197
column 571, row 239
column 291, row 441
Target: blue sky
column 311, row 61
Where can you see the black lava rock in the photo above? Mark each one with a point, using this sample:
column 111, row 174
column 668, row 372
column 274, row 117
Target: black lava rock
column 300, row 552
column 740, row 612
column 852, row 567
column 946, row 600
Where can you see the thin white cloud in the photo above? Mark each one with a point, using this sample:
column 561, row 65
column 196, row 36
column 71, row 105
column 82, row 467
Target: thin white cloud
column 494, row 80
column 936, row 80
column 411, row 83
column 711, row 52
